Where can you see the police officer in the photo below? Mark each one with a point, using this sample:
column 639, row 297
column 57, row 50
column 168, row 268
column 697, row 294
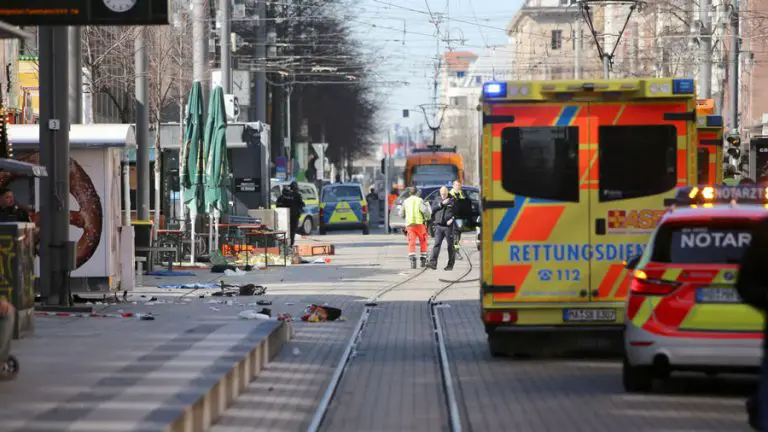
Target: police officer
column 463, row 213
column 443, row 211
column 416, row 213
column 291, row 199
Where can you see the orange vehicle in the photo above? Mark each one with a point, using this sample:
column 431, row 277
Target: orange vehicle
column 433, row 165
column 710, row 146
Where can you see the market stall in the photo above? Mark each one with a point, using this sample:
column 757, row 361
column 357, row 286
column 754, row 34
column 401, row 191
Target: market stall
column 95, row 191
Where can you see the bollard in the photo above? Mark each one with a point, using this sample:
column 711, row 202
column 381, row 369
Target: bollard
column 140, row 271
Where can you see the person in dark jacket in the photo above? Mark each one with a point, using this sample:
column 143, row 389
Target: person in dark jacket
column 443, row 219
column 463, row 213
column 291, row 199
column 752, row 286
column 10, row 211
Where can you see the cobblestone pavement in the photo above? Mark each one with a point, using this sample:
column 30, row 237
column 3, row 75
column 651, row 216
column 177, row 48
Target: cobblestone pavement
column 393, row 383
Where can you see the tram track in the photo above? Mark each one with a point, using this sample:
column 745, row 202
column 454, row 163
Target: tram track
column 446, row 376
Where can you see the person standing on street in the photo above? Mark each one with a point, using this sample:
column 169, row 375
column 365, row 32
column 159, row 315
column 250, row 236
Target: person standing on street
column 10, row 211
column 463, row 213
column 291, row 199
column 416, row 212
column 443, row 211
column 752, row 286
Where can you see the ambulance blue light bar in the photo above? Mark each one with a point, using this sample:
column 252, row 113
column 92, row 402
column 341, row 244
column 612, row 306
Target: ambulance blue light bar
column 495, row 89
column 682, row 86
column 744, row 194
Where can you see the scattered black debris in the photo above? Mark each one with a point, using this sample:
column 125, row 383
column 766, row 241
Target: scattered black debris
column 251, row 289
column 221, row 268
column 223, row 294
column 266, row 311
column 264, row 303
column 371, row 304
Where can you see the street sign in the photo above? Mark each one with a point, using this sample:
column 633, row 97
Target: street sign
column 281, row 167
column 247, row 184
column 84, row 12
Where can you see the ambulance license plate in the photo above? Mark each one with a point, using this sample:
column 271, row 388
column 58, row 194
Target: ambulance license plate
column 589, row 315
column 717, row 295
column 343, row 210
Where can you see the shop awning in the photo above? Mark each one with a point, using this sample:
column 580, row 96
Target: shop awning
column 8, row 31
column 88, row 136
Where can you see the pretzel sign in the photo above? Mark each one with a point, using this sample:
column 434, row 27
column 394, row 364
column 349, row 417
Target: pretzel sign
column 89, row 218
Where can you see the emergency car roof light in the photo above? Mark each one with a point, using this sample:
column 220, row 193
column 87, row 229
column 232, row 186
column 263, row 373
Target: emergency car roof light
column 708, row 195
column 682, row 86
column 495, row 89
column 714, row 121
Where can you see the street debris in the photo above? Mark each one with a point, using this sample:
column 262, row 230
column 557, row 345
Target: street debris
column 296, row 351
column 252, row 314
column 284, row 317
column 189, row 286
column 235, row 272
column 315, row 313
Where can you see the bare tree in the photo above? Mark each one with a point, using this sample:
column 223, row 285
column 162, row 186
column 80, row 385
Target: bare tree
column 168, row 60
column 109, row 61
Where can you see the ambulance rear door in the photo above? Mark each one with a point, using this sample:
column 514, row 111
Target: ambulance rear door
column 640, row 156
column 535, row 217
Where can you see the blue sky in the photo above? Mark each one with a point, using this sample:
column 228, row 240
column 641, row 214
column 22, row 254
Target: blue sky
column 399, row 35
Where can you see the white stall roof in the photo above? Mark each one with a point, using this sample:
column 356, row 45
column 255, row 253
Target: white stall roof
column 92, row 135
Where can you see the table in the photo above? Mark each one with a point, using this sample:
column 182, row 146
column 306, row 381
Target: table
column 280, row 236
column 239, row 237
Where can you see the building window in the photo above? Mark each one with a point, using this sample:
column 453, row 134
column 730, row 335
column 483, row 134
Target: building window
column 478, row 79
column 557, row 39
column 460, row 74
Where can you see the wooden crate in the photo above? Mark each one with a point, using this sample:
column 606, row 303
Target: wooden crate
column 314, row 249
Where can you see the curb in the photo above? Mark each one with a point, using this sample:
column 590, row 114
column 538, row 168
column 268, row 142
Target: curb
column 201, row 415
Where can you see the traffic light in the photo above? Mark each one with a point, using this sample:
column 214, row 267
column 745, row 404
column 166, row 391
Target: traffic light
column 734, row 140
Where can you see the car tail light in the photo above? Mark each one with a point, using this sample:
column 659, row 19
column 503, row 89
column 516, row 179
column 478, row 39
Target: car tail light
column 500, row 317
column 365, row 209
column 643, row 285
column 321, row 212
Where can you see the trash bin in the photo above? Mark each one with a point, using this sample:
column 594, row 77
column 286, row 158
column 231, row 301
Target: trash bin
column 17, row 281
column 142, row 242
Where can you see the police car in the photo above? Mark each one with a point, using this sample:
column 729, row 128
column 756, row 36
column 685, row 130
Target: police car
column 683, row 311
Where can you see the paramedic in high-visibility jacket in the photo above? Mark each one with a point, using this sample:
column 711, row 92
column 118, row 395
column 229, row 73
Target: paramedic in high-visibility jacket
column 463, row 211
column 416, row 213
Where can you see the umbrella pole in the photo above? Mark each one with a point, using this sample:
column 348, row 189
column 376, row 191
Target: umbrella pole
column 216, row 231
column 192, row 236
column 211, row 245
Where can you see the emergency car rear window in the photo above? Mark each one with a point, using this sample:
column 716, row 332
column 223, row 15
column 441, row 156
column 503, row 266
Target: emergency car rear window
column 342, row 193
column 541, row 162
column 703, row 165
column 636, row 161
column 702, row 243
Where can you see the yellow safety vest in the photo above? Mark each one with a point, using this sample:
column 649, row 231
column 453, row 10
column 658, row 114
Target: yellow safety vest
column 412, row 208
column 454, row 193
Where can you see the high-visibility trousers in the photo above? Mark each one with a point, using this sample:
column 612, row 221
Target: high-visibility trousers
column 417, row 232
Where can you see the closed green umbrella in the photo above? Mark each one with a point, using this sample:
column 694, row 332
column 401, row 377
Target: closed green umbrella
column 216, row 163
column 192, row 157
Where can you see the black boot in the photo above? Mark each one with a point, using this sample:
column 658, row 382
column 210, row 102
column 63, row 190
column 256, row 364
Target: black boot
column 423, row 262
column 449, row 267
column 413, row 262
column 432, row 265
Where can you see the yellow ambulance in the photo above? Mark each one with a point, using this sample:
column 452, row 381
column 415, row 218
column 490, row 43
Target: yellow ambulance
column 575, row 175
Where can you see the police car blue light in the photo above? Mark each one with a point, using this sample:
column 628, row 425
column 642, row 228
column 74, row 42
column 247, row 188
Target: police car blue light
column 682, row 86
column 495, row 89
